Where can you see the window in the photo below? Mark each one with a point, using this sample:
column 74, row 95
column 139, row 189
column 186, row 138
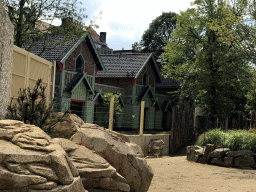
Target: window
column 145, row 79
column 79, row 65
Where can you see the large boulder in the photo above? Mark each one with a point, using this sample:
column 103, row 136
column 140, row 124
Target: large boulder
column 66, row 125
column 95, row 171
column 114, row 148
column 30, row 161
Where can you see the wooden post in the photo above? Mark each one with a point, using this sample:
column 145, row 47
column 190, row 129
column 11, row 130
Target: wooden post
column 111, row 114
column 142, row 117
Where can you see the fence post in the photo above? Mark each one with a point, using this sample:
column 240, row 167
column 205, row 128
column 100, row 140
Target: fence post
column 111, row 114
column 142, row 117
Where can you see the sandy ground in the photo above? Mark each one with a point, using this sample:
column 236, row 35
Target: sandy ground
column 175, row 173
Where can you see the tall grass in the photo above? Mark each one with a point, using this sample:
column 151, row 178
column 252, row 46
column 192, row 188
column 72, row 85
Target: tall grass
column 233, row 139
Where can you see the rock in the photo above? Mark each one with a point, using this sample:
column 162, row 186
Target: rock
column 208, row 149
column 136, row 149
column 69, row 124
column 31, row 161
column 94, row 170
column 244, row 162
column 217, row 153
column 193, row 153
column 75, row 186
column 245, row 153
column 45, row 186
column 155, row 147
column 228, row 161
column 122, row 157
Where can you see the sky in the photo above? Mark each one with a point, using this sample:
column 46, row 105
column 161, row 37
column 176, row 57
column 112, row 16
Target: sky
column 125, row 21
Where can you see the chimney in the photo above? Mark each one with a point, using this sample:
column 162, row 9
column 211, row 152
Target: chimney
column 66, row 21
column 103, row 37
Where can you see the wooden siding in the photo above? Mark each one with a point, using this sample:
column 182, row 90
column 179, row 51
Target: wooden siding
column 80, row 92
column 158, row 119
column 89, row 111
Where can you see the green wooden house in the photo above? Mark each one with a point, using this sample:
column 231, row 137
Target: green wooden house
column 76, row 64
column 135, row 76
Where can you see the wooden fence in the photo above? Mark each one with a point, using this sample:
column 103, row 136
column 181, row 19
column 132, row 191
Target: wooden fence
column 182, row 127
column 27, row 68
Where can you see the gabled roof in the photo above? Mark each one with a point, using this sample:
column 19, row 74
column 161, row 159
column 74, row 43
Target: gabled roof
column 60, row 48
column 100, row 98
column 127, row 65
column 76, row 80
column 143, row 92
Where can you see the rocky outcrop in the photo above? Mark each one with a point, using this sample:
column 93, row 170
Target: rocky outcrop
column 67, row 126
column 115, row 148
column 31, row 161
column 221, row 156
column 96, row 173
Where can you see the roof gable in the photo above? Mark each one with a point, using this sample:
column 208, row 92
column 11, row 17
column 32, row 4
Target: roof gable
column 127, row 65
column 60, row 49
column 76, row 80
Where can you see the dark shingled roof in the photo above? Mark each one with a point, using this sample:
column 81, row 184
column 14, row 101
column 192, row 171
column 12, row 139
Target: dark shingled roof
column 168, row 83
column 60, row 47
column 55, row 52
column 125, row 65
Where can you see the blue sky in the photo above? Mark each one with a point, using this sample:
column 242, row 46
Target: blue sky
column 125, row 21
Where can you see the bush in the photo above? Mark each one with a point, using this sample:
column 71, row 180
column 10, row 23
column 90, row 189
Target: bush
column 31, row 107
column 215, row 136
column 233, row 139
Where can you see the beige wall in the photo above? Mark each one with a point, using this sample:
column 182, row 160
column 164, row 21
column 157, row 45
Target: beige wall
column 6, row 47
column 27, row 68
column 144, row 140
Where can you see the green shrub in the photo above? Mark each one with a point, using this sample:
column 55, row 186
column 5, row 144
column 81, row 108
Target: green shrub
column 215, row 136
column 235, row 140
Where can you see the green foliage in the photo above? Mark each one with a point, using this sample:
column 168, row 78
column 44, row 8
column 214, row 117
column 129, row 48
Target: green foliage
column 117, row 105
column 31, row 107
column 233, row 139
column 27, row 17
column 215, row 136
column 160, row 30
column 204, row 54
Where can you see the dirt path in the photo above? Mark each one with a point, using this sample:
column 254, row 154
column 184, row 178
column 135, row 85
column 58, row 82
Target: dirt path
column 179, row 175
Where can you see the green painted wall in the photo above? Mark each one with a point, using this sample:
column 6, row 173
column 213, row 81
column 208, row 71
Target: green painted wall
column 89, row 111
column 65, row 104
column 158, row 119
column 79, row 92
column 149, row 118
column 135, row 109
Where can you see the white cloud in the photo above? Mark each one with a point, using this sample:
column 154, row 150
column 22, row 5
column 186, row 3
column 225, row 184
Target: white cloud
column 130, row 19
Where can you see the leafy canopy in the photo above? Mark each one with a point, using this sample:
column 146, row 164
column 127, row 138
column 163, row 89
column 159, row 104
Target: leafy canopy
column 160, row 30
column 206, row 55
column 27, row 16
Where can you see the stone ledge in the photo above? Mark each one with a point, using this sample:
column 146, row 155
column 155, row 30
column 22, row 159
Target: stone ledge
column 210, row 154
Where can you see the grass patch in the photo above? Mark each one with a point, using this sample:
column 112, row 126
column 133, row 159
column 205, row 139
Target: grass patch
column 233, row 139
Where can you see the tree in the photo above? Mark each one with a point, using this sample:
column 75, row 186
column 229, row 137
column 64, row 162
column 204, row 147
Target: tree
column 31, row 107
column 160, row 30
column 205, row 55
column 27, row 17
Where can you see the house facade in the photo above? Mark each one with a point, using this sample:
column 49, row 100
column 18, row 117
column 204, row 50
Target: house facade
column 86, row 68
